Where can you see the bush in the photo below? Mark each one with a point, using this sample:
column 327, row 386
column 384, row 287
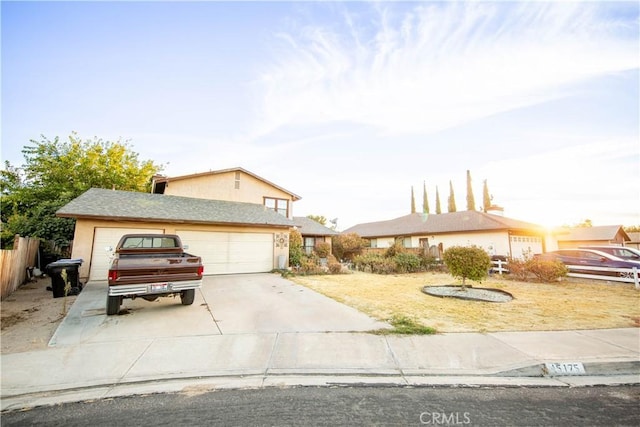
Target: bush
column 547, row 270
column 347, row 246
column 518, row 269
column 335, row 268
column 394, row 250
column 467, row 263
column 374, row 264
column 296, row 253
column 407, row 262
column 322, row 249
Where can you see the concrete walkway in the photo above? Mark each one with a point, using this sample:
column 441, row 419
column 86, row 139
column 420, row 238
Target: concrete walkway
column 272, row 340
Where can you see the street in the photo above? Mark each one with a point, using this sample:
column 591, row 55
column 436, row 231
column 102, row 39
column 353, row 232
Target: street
column 365, row 405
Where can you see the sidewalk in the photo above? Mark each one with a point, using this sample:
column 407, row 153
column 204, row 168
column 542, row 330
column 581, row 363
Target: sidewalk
column 76, row 370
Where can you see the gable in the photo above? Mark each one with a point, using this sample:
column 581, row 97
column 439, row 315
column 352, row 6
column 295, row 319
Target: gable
column 236, row 185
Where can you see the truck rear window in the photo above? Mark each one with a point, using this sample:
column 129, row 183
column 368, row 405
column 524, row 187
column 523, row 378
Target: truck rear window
column 150, row 242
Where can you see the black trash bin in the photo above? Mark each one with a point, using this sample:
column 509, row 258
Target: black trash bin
column 55, row 269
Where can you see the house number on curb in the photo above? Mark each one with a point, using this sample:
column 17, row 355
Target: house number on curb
column 573, row 368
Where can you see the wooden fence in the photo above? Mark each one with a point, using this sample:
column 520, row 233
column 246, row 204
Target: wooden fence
column 14, row 264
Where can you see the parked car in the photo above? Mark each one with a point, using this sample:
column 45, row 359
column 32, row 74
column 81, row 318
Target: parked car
column 618, row 251
column 575, row 258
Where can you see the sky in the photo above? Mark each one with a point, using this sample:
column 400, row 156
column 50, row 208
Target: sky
column 349, row 105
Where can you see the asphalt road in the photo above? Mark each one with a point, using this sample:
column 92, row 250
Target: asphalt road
column 352, row 406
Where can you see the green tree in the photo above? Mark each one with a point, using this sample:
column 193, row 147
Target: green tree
column 451, row 207
column 413, row 201
column 425, row 200
column 467, row 263
column 585, row 224
column 55, row 172
column 296, row 251
column 486, row 197
column 438, row 207
column 471, row 201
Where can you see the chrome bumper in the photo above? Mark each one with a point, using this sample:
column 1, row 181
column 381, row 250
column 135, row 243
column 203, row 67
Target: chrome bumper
column 153, row 288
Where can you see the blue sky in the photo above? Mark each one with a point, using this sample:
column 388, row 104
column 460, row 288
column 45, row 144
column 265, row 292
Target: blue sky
column 348, row 104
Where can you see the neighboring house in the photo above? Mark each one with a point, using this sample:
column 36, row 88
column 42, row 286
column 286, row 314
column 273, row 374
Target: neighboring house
column 584, row 236
column 234, row 185
column 635, row 240
column 312, row 232
column 230, row 236
column 496, row 234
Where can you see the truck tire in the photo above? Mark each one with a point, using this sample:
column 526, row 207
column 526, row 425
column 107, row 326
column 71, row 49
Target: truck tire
column 187, row 296
column 113, row 305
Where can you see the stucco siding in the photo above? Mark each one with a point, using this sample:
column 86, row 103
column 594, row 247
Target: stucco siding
column 223, row 187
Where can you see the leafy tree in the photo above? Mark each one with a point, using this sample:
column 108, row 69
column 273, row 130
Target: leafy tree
column 425, row 200
column 486, row 197
column 347, row 246
column 318, row 218
column 585, row 224
column 471, row 201
column 469, row 262
column 296, row 252
column 438, row 207
column 452, row 199
column 413, row 201
column 632, row 228
column 55, row 172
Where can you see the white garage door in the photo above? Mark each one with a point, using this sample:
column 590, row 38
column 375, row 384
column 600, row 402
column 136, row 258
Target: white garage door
column 523, row 246
column 104, row 237
column 230, row 253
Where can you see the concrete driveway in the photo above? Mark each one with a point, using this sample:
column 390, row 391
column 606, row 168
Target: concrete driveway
column 232, row 304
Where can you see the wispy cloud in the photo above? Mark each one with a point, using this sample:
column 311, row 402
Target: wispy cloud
column 438, row 65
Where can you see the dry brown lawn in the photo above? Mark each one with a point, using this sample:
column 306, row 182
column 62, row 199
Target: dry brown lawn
column 570, row 304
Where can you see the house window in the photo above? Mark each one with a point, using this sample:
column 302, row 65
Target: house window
column 279, row 205
column 309, row 244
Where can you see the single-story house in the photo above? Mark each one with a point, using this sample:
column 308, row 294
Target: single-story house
column 231, row 237
column 312, row 232
column 496, row 234
column 635, row 239
column 585, row 236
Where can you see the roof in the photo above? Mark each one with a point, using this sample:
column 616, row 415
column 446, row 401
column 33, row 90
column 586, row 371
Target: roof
column 128, row 205
column 452, row 222
column 160, row 178
column 601, row 232
column 310, row 227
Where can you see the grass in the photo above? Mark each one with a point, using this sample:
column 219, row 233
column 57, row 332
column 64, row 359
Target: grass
column 570, row 304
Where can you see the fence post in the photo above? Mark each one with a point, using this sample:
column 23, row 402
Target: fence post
column 635, row 277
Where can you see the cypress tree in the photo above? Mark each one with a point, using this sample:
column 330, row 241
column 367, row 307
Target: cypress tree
column 471, row 201
column 452, row 200
column 438, row 208
column 486, row 197
column 425, row 201
column 413, row 201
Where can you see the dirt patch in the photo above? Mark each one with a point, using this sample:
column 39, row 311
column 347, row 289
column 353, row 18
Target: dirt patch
column 30, row 316
column 566, row 305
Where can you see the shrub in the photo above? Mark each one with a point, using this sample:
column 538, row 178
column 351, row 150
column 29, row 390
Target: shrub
column 547, row 270
column 467, row 263
column 407, row 262
column 335, row 268
column 347, row 246
column 394, row 250
column 374, row 263
column 518, row 269
column 296, row 253
column 322, row 249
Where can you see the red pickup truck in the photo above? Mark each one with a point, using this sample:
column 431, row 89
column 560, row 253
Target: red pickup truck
column 150, row 266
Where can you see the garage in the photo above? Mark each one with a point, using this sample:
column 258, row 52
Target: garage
column 230, row 252
column 104, row 237
column 522, row 246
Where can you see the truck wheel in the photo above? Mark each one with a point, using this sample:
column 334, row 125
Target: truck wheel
column 187, row 296
column 113, row 305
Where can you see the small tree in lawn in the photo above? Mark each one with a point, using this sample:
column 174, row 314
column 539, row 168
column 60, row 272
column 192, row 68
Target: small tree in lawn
column 467, row 263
